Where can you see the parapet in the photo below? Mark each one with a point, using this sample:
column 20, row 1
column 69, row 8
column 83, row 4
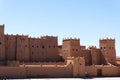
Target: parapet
column 92, row 47
column 107, row 39
column 45, row 37
column 71, row 39
column 2, row 25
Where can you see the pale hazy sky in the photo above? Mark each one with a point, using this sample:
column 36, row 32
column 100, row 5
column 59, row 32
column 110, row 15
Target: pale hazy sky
column 87, row 19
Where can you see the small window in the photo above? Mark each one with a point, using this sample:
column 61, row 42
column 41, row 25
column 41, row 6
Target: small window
column 43, row 47
column 32, row 46
column 0, row 43
column 109, row 47
column 49, row 46
column 25, row 45
column 32, row 52
column 80, row 64
column 112, row 47
column 101, row 47
column 104, row 47
column 76, row 49
column 7, row 38
column 111, row 59
column 53, row 46
column 73, row 49
column 37, row 46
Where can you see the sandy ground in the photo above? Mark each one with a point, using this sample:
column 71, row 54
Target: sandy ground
column 106, row 78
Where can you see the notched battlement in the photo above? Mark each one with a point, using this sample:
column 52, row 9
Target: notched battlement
column 107, row 39
column 71, row 39
column 2, row 25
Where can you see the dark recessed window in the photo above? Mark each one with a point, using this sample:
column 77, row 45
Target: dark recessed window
column 53, row 46
column 32, row 46
column 80, row 64
column 73, row 49
column 49, row 46
column 112, row 47
column 111, row 59
column 37, row 46
column 109, row 47
column 101, row 47
column 25, row 45
column 43, row 47
column 32, row 52
column 76, row 49
column 0, row 43
column 104, row 47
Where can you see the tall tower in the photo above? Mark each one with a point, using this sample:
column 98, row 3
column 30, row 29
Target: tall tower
column 22, row 52
column 2, row 45
column 70, row 47
column 107, row 47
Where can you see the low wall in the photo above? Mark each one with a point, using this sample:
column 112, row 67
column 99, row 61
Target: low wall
column 110, row 71
column 53, row 72
column 91, row 70
column 36, row 71
column 12, row 72
column 107, row 70
column 43, row 63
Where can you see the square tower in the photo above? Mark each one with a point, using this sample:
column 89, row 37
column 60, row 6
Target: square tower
column 2, row 45
column 70, row 47
column 108, row 50
column 22, row 49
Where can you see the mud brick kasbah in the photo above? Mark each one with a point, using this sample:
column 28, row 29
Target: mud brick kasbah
column 24, row 57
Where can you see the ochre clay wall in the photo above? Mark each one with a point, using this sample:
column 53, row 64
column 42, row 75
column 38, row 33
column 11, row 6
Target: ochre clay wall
column 58, row 71
column 2, row 43
column 105, row 70
column 96, row 56
column 44, row 63
column 110, row 71
column 36, row 71
column 22, row 53
column 12, row 72
column 70, row 48
column 87, row 56
column 91, row 70
column 107, row 47
column 44, row 49
column 10, row 47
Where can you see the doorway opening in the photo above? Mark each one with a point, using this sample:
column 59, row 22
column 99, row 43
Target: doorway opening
column 99, row 72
